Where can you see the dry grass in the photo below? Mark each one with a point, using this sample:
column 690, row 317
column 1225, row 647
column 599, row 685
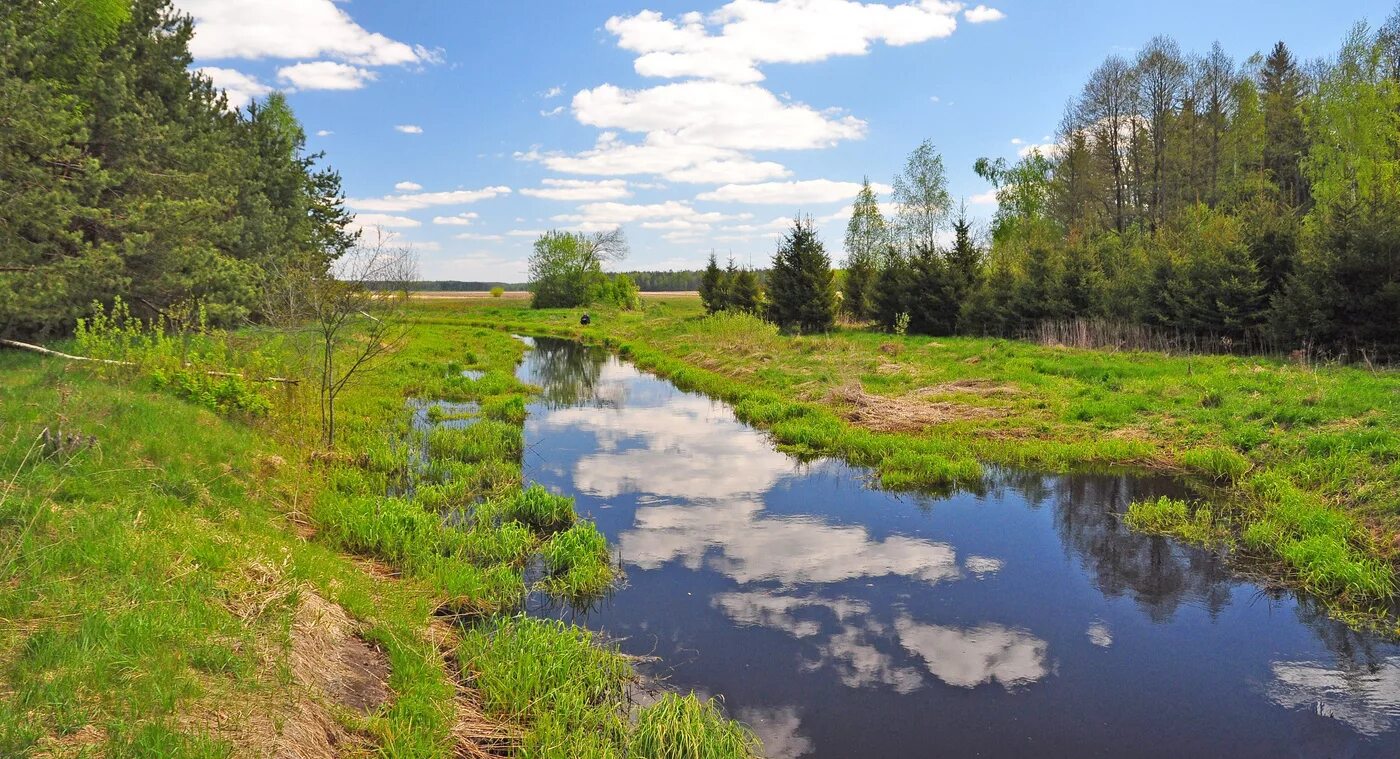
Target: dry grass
column 908, row 413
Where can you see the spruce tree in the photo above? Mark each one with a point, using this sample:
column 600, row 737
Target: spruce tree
column 744, row 294
column 892, row 290
column 932, row 307
column 1285, row 140
column 802, row 297
column 964, row 260
column 712, row 286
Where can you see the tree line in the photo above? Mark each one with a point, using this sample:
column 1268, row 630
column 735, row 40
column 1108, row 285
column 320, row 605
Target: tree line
column 124, row 174
column 1252, row 202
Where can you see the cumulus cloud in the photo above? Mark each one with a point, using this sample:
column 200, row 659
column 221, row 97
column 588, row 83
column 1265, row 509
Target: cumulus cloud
column 579, row 189
column 968, row 657
column 417, row 200
column 788, row 193
column 240, row 88
column 460, row 220
column 661, row 155
column 287, row 29
column 988, row 198
column 325, row 75
column 324, row 133
column 365, row 221
column 408, row 128
column 731, row 43
column 715, row 114
column 982, row 14
column 671, row 215
column 408, row 186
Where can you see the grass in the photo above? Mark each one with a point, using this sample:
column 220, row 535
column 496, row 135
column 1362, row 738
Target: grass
column 570, row 689
column 1306, row 458
column 150, row 582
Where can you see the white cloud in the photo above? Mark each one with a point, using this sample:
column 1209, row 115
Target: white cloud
column 804, row 191
column 715, row 114
column 660, row 154
column 477, row 236
column 365, row 221
column 289, row 29
column 551, row 113
column 326, row 75
column 751, row 33
column 552, row 92
column 324, row 133
column 460, row 220
column 1017, row 141
column 934, row 99
column 968, row 657
column 408, row 186
column 525, row 233
column 1047, row 149
column 415, row 201
column 241, row 88
column 579, row 189
column 671, row 215
column 988, row 198
column 982, row 14
column 477, row 265
column 409, row 128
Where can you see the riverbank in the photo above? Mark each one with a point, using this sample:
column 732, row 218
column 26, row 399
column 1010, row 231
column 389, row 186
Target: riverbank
column 1309, row 456
column 180, row 582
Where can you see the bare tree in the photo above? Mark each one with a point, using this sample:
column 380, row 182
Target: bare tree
column 357, row 315
column 1160, row 74
column 1106, row 112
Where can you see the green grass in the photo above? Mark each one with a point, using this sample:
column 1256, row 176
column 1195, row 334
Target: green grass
column 568, row 688
column 126, row 569
column 1174, row 517
column 1308, row 457
column 685, row 727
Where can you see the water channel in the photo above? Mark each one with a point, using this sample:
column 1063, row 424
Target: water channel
column 1019, row 618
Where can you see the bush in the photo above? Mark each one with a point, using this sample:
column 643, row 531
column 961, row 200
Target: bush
column 497, row 291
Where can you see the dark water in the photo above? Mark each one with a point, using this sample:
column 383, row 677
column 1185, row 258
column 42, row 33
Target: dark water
column 1022, row 620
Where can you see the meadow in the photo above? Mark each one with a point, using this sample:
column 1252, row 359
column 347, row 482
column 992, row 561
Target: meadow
column 188, row 574
column 1298, row 463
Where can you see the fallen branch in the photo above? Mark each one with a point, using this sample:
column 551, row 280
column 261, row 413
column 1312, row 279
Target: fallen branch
column 71, row 357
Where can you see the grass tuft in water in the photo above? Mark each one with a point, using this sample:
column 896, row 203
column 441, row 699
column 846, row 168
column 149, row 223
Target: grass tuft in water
column 684, row 727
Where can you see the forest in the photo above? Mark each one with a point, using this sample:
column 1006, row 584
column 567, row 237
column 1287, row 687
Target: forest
column 125, row 174
column 1244, row 203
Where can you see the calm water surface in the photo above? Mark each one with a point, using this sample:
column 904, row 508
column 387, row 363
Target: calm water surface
column 1019, row 620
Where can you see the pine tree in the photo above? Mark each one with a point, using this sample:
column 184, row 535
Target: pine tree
column 744, row 293
column 802, row 297
column 865, row 238
column 1285, row 141
column 933, row 310
column 893, row 289
column 712, row 286
column 964, row 259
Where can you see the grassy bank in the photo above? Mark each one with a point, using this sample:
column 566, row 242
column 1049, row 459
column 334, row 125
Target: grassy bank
column 186, row 574
column 1309, row 457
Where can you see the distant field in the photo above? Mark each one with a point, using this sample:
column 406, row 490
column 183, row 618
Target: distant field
column 523, row 294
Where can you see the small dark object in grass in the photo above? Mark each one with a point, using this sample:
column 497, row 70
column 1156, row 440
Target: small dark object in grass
column 585, row 320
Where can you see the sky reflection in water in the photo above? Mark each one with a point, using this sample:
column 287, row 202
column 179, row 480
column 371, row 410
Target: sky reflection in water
column 1024, row 618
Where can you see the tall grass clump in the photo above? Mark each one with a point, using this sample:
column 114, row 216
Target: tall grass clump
column 484, row 440
column 562, row 683
column 684, row 727
column 579, row 564
column 1216, row 462
column 536, row 507
column 1175, row 517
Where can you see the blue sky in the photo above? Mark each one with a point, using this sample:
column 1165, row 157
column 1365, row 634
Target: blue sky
column 464, row 128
